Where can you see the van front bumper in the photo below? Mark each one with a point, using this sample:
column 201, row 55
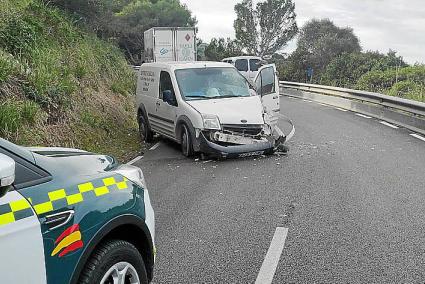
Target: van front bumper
column 236, row 151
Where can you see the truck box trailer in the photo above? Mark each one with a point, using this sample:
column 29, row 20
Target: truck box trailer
column 169, row 44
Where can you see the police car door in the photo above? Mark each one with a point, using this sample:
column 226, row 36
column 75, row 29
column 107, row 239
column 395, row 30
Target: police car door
column 267, row 86
column 21, row 242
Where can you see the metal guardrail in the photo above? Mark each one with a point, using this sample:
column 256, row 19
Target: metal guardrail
column 406, row 113
column 413, row 107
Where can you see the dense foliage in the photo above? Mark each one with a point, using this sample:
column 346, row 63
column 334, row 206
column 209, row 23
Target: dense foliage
column 220, row 48
column 320, row 41
column 334, row 58
column 124, row 21
column 58, row 83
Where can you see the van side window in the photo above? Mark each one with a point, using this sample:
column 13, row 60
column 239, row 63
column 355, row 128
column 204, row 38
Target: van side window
column 165, row 83
column 242, row 65
column 254, row 64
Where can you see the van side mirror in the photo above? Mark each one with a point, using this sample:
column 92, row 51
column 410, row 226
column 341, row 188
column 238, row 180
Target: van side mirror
column 167, row 96
column 7, row 174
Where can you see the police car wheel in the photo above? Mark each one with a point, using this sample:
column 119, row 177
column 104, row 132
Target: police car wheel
column 186, row 142
column 145, row 132
column 115, row 262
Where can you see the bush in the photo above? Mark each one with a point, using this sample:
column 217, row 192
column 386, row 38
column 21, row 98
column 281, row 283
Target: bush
column 14, row 115
column 408, row 82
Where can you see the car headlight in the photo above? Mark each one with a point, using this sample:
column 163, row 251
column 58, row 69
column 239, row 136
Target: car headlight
column 211, row 122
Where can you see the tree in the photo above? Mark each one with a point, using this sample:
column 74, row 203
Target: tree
column 220, row 48
column 267, row 28
column 322, row 40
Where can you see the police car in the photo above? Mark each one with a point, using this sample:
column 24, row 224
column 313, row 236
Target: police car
column 69, row 216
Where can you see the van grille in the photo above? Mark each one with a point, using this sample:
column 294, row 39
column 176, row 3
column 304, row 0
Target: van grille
column 244, row 129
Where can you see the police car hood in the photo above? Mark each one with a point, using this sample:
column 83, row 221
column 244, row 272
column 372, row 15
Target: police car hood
column 72, row 162
column 246, row 110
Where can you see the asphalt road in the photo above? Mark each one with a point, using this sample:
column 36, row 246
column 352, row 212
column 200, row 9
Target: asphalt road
column 351, row 194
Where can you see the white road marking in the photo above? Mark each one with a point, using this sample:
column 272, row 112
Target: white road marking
column 155, row 146
column 418, row 136
column 388, row 124
column 341, row 109
column 268, row 269
column 135, row 160
column 362, row 115
column 323, row 104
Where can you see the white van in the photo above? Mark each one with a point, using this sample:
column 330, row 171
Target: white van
column 247, row 65
column 209, row 108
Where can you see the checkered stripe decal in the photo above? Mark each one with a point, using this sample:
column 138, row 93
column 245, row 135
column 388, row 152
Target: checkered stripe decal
column 60, row 198
column 15, row 211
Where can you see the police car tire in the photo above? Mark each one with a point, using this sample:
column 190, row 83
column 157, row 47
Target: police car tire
column 144, row 126
column 109, row 254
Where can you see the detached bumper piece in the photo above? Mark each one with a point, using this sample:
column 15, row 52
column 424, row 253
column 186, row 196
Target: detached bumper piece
column 234, row 151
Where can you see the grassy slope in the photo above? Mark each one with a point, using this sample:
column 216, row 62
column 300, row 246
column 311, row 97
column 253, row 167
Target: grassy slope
column 60, row 86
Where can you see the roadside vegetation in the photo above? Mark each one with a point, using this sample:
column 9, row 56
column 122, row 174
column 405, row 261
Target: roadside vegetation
column 335, row 57
column 61, row 86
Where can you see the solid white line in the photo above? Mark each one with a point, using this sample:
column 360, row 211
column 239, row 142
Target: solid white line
column 323, row 104
column 388, row 124
column 268, row 269
column 341, row 109
column 362, row 115
column 418, row 136
column 135, row 160
column 155, row 146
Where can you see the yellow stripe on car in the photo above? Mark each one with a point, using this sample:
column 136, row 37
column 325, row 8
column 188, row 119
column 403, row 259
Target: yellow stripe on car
column 84, row 188
column 15, row 211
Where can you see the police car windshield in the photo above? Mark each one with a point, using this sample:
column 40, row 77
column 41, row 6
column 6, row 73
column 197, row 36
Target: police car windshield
column 211, row 83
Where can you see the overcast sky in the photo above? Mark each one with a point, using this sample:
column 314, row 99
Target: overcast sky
column 380, row 24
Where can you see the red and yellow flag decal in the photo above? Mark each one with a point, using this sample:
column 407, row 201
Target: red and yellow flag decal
column 69, row 241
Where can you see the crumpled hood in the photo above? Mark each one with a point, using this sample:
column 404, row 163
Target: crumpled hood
column 232, row 110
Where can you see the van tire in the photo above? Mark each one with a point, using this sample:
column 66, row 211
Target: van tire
column 186, row 142
column 145, row 132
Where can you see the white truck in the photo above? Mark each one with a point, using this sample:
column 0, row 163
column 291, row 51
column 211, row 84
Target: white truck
column 169, row 44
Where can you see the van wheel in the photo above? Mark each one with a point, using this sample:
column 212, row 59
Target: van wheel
column 145, row 132
column 186, row 142
column 115, row 261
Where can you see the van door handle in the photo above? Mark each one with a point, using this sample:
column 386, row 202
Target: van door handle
column 58, row 220
column 158, row 103
column 275, row 97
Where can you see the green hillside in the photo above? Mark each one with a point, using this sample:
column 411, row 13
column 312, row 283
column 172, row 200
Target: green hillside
column 62, row 86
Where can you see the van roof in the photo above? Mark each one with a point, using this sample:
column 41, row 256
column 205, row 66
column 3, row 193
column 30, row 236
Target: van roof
column 186, row 65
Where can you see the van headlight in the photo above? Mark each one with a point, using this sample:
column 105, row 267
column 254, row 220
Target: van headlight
column 211, row 122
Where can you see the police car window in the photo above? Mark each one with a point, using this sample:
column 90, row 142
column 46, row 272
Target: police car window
column 165, row 83
column 26, row 174
column 241, row 65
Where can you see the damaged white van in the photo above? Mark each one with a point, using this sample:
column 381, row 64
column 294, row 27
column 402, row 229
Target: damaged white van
column 210, row 108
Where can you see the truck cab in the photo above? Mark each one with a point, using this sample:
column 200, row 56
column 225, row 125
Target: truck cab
column 209, row 107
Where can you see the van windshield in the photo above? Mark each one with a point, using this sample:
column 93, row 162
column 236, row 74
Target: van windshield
column 211, row 83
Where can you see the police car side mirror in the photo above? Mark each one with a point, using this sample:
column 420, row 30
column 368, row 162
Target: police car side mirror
column 7, row 174
column 167, row 96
